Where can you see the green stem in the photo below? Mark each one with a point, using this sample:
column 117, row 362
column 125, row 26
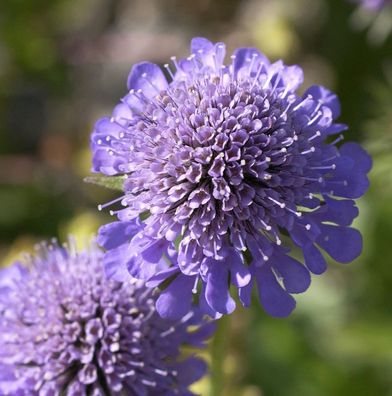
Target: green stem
column 218, row 352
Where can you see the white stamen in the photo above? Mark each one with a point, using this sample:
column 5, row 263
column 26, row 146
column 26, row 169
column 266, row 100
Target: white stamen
column 103, row 206
column 315, row 118
column 194, row 288
column 317, row 134
column 268, row 80
column 186, row 317
column 333, row 166
column 232, row 57
column 167, row 332
column 290, row 101
column 313, row 179
column 281, row 204
column 167, row 67
column 337, row 140
column 302, row 102
column 252, row 61
column 311, row 150
column 174, row 60
column 136, row 364
column 161, row 372
column 298, row 214
column 153, row 384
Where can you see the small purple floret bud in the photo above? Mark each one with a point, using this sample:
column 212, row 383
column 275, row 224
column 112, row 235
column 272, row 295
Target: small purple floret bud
column 373, row 5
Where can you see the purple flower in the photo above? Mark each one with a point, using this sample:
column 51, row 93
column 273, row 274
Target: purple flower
column 66, row 330
column 373, row 5
column 232, row 164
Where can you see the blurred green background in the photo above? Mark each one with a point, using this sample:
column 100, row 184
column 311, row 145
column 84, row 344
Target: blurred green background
column 64, row 63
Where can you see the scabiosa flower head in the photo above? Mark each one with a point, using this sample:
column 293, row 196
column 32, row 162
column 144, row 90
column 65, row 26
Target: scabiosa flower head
column 65, row 330
column 232, row 163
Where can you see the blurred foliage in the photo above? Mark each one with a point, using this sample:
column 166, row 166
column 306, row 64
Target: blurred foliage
column 64, row 63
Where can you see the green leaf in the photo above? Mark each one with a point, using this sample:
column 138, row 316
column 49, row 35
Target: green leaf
column 111, row 182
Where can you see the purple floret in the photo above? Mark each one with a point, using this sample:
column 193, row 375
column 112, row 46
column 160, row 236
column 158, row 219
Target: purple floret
column 67, row 330
column 232, row 165
column 373, row 5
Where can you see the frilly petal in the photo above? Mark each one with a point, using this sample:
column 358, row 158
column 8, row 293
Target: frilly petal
column 245, row 294
column 151, row 250
column 209, row 54
column 326, row 97
column 122, row 113
column 191, row 370
column 205, row 306
column 243, row 57
column 341, row 212
column 117, row 233
column 115, row 263
column 362, row 160
column 217, row 289
column 198, row 337
column 143, row 270
column 104, row 128
column 292, row 77
column 105, row 163
column 175, row 301
column 295, row 277
column 347, row 181
column 240, row 275
column 275, row 300
column 148, row 77
column 343, row 244
column 314, row 260
column 160, row 277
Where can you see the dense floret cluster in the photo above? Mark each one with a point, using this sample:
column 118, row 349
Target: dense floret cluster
column 66, row 330
column 232, row 164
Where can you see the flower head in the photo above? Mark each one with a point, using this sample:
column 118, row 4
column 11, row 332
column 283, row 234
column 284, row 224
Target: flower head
column 232, row 163
column 65, row 330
